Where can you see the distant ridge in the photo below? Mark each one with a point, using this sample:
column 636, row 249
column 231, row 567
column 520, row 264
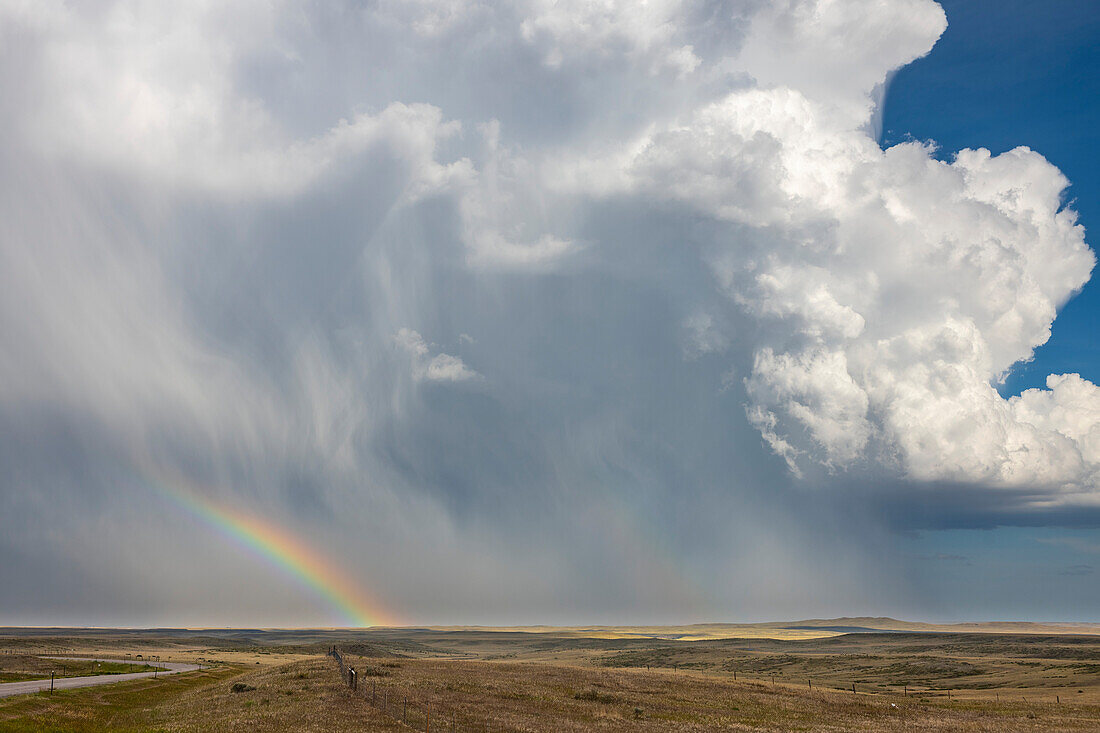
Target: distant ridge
column 805, row 629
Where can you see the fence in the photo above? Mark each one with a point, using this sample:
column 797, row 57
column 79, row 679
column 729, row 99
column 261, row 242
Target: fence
column 419, row 714
column 409, row 710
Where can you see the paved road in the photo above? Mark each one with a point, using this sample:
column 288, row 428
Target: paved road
column 66, row 683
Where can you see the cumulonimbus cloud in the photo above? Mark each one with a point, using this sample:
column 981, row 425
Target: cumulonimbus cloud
column 895, row 288
column 220, row 221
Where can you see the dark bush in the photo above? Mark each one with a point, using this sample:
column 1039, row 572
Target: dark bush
column 594, row 696
column 374, row 672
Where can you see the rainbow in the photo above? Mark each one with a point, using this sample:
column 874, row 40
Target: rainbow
column 278, row 548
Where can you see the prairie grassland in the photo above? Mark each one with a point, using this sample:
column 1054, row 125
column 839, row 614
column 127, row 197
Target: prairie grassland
column 308, row 695
column 543, row 697
column 542, row 681
column 971, row 665
column 125, row 706
column 35, row 659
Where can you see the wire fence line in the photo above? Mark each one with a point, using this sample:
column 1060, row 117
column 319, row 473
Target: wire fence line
column 418, row 713
column 410, row 710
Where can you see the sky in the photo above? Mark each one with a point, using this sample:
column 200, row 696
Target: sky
column 444, row 312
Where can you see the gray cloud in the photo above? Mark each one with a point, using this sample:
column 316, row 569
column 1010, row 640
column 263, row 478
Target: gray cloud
column 1074, row 543
column 508, row 309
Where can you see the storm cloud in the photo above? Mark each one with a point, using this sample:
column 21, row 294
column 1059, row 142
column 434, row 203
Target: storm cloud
column 535, row 311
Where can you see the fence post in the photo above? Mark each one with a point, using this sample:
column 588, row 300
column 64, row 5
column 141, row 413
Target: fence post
column 405, row 711
column 51, row 681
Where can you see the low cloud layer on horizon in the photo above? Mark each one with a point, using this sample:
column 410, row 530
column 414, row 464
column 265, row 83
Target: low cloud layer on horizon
column 538, row 311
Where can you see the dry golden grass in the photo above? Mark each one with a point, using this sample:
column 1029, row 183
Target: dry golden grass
column 302, row 696
column 254, row 656
column 19, row 667
column 543, row 697
column 308, row 695
column 516, row 681
column 123, row 706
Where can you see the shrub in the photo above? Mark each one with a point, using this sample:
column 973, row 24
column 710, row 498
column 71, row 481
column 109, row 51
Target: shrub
column 594, row 696
column 374, row 672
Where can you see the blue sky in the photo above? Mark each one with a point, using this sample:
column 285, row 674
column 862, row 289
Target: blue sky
column 549, row 311
column 1018, row 73
column 1006, row 74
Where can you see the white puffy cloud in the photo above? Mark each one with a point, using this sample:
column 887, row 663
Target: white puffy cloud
column 438, row 368
column 816, row 392
column 894, row 290
column 154, row 91
column 647, row 34
column 919, row 283
column 838, row 51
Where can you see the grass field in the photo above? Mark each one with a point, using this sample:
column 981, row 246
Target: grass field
column 306, row 695
column 20, row 667
column 126, row 706
column 543, row 697
column 544, row 681
column 309, row 695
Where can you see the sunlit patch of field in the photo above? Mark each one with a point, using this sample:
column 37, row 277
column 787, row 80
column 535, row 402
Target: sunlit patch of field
column 786, row 630
column 673, row 633
column 23, row 654
column 230, row 656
